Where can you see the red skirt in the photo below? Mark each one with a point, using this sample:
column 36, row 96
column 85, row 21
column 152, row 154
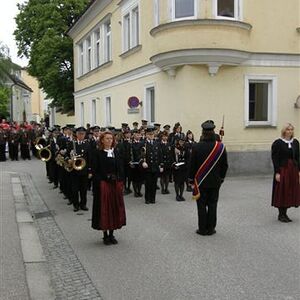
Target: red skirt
column 286, row 193
column 112, row 207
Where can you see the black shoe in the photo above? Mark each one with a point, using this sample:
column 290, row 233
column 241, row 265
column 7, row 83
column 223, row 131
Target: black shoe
column 50, row 181
column 113, row 240
column 289, row 220
column 178, row 198
column 163, row 192
column 84, row 208
column 189, row 189
column 283, row 219
column 140, row 194
column 198, row 231
column 182, row 198
column 147, row 202
column 167, row 192
column 136, row 195
column 76, row 208
column 106, row 240
column 211, row 232
column 69, row 203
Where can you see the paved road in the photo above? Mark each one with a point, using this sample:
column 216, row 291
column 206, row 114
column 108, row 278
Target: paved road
column 159, row 256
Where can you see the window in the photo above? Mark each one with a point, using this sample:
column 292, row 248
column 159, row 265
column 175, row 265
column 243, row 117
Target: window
column 82, row 114
column 184, row 9
column 149, row 112
column 126, row 29
column 94, row 112
column 107, row 111
column 107, row 41
column 89, row 54
column 227, row 9
column 130, row 28
column 97, row 47
column 81, row 56
column 260, row 100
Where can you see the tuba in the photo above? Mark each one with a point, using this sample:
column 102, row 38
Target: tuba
column 44, row 153
column 77, row 161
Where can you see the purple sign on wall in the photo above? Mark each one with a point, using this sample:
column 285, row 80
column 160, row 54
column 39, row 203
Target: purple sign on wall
column 133, row 102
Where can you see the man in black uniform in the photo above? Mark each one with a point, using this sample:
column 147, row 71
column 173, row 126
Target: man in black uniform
column 152, row 165
column 79, row 178
column 211, row 173
column 3, row 139
column 13, row 144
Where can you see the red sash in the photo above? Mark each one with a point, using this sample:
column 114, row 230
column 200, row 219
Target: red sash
column 206, row 167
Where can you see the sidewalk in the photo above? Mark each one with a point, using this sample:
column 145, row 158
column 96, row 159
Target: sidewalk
column 159, row 256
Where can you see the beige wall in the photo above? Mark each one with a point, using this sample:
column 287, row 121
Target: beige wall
column 193, row 96
column 63, row 119
column 267, row 34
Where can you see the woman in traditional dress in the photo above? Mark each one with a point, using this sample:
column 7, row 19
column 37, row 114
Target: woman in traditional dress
column 108, row 203
column 286, row 182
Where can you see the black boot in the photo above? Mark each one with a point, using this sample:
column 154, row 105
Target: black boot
column 112, row 239
column 282, row 215
column 106, row 239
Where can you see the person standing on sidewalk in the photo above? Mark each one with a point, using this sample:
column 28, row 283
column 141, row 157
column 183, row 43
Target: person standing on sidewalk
column 286, row 181
column 207, row 172
column 108, row 176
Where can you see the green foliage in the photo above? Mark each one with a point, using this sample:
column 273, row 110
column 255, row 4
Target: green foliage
column 41, row 37
column 4, row 100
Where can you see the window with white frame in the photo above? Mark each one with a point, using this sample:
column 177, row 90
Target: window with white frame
column 82, row 114
column 130, row 27
column 89, row 54
column 108, row 111
column 149, row 112
column 227, row 9
column 97, row 38
column 107, row 41
column 94, row 112
column 260, row 100
column 81, row 59
column 184, row 9
column 95, row 49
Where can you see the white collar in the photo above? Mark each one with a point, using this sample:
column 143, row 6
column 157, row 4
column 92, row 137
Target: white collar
column 289, row 142
column 110, row 152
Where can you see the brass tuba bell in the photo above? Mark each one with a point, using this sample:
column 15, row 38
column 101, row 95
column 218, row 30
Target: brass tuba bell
column 44, row 152
column 78, row 163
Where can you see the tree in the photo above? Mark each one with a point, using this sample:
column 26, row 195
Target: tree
column 6, row 65
column 4, row 100
column 41, row 37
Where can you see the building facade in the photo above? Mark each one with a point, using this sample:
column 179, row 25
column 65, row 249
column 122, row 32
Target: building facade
column 189, row 61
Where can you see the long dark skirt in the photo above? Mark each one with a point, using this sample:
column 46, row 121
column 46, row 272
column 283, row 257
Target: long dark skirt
column 108, row 206
column 286, row 193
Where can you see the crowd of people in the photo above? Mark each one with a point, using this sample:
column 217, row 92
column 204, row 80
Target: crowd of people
column 114, row 162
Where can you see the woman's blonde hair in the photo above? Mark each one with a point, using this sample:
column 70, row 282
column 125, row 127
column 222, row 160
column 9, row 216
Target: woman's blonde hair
column 284, row 128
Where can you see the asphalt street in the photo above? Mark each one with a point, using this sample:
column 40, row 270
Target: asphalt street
column 159, row 255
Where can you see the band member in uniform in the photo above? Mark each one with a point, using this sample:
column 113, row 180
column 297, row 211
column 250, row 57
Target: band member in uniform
column 24, row 143
column 152, row 165
column 179, row 167
column 135, row 125
column 13, row 144
column 108, row 202
column 177, row 132
column 3, row 139
column 207, row 176
column 126, row 148
column 286, row 181
column 189, row 142
column 136, row 174
column 54, row 148
column 79, row 148
column 167, row 159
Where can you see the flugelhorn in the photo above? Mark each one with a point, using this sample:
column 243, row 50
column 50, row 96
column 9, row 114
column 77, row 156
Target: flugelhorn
column 44, row 153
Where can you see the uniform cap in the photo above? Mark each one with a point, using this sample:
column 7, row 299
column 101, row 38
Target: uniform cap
column 80, row 129
column 208, row 125
column 144, row 122
column 167, row 126
column 135, row 123
column 150, row 129
column 157, row 124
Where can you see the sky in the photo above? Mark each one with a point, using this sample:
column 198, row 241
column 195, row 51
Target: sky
column 7, row 26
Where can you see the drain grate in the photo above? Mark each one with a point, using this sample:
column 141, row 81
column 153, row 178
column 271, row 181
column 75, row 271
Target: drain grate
column 44, row 214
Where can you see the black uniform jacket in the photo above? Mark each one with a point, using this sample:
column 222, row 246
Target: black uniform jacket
column 200, row 152
column 281, row 154
column 153, row 156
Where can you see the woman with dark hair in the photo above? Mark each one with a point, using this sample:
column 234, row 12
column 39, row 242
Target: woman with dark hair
column 189, row 142
column 108, row 203
column 286, row 181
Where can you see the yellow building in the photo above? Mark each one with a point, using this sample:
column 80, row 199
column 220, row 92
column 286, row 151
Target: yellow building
column 189, row 61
